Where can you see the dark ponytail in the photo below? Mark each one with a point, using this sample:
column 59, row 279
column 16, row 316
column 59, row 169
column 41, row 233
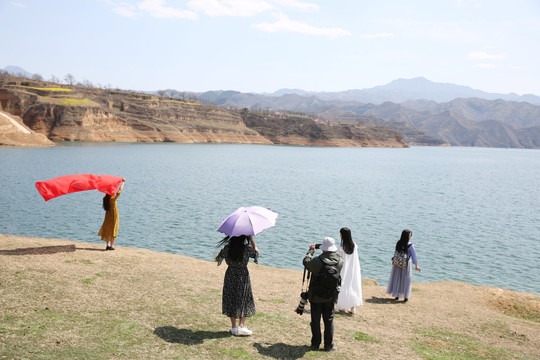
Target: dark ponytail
column 402, row 244
column 346, row 240
column 106, row 202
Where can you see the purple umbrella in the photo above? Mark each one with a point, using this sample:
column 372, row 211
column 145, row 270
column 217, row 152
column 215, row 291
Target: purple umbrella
column 248, row 221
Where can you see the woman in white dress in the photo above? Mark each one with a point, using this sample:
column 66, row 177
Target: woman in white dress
column 350, row 295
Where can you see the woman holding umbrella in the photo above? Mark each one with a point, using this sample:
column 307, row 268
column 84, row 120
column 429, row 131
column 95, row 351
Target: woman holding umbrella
column 238, row 247
column 237, row 299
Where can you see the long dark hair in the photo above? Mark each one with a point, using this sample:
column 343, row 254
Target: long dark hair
column 236, row 246
column 346, row 240
column 403, row 242
column 106, row 202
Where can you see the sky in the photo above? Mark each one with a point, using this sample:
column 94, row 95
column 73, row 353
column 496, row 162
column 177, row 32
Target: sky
column 266, row 45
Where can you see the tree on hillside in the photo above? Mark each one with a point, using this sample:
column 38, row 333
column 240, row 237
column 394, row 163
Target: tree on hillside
column 87, row 84
column 37, row 77
column 54, row 79
column 70, row 79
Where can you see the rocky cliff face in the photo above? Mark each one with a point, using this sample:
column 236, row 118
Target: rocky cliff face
column 100, row 115
column 14, row 133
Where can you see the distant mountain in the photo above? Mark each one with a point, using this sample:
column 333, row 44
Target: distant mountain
column 402, row 90
column 461, row 121
column 17, row 71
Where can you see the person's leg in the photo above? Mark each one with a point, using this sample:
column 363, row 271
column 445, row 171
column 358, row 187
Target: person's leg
column 112, row 243
column 316, row 312
column 242, row 329
column 234, row 329
column 328, row 319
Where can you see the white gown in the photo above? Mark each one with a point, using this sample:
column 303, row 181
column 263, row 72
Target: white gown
column 351, row 280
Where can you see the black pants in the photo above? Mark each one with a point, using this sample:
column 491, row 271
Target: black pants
column 326, row 310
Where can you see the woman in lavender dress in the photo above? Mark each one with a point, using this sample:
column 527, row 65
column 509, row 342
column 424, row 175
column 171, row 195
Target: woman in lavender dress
column 400, row 282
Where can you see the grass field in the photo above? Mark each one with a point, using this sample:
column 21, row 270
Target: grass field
column 70, row 300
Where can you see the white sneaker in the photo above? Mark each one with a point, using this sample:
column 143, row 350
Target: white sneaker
column 244, row 331
column 234, row 330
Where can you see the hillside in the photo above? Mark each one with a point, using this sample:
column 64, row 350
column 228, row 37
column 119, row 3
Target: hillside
column 62, row 299
column 76, row 113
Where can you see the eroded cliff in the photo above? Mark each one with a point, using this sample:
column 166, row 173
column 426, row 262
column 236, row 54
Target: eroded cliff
column 95, row 115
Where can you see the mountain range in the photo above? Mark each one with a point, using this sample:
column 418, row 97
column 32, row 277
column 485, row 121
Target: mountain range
column 417, row 108
column 401, row 90
column 422, row 111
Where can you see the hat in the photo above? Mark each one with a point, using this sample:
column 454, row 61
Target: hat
column 329, row 244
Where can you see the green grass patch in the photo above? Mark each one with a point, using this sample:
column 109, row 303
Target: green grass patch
column 443, row 345
column 88, row 281
column 521, row 311
column 82, row 261
column 360, row 336
column 270, row 317
column 76, row 102
column 236, row 353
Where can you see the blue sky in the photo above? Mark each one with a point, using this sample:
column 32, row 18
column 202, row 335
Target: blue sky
column 266, row 45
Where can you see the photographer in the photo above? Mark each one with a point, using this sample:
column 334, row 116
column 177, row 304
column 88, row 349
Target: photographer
column 323, row 291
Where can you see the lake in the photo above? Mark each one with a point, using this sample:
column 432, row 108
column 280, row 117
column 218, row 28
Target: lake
column 473, row 211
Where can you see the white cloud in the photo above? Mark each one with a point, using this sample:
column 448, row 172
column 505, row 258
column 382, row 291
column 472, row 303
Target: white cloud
column 285, row 24
column 296, row 4
column 486, row 66
column 483, row 55
column 18, row 4
column 126, row 10
column 243, row 8
column 376, row 36
column 158, row 9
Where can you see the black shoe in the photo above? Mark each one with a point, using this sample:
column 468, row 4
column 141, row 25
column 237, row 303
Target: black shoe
column 108, row 247
column 314, row 348
column 405, row 300
column 396, row 298
column 333, row 348
column 111, row 248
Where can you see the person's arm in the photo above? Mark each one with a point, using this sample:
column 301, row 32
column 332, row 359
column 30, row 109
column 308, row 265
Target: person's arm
column 255, row 252
column 412, row 254
column 252, row 242
column 221, row 256
column 310, row 263
column 119, row 191
column 121, row 186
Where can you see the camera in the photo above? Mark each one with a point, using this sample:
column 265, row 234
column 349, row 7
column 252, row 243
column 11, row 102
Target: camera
column 317, row 246
column 303, row 301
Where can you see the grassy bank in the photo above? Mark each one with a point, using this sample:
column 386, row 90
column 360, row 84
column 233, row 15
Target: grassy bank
column 63, row 300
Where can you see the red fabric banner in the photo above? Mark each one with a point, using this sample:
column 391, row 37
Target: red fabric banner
column 63, row 185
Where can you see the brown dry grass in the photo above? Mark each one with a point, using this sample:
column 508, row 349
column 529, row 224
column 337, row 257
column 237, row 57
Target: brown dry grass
column 73, row 300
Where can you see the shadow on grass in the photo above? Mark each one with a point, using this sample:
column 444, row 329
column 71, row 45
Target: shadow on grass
column 45, row 250
column 377, row 300
column 282, row 351
column 186, row 336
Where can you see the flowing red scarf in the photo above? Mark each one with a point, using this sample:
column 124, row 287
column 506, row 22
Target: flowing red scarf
column 63, row 185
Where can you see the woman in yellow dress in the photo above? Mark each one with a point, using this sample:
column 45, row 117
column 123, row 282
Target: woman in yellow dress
column 109, row 229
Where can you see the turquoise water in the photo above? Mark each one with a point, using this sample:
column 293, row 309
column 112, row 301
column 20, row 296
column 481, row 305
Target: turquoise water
column 473, row 211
